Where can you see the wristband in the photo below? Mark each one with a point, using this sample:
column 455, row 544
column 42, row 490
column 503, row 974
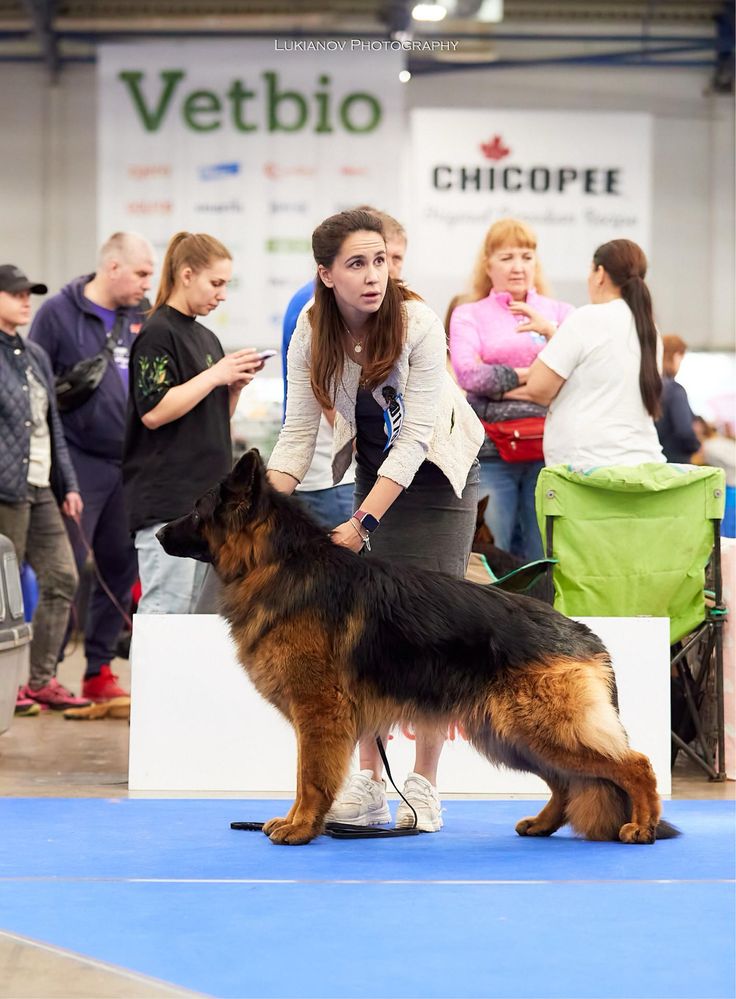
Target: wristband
column 365, row 538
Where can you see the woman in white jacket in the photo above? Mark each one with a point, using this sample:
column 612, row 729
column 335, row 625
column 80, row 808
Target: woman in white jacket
column 370, row 349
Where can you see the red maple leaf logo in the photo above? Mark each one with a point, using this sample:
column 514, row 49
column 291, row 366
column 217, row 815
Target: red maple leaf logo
column 495, row 149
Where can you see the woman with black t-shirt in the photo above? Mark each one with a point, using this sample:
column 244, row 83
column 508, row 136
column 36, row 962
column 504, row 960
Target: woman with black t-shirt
column 183, row 392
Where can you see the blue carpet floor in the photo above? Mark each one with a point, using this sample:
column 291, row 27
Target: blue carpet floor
column 165, row 888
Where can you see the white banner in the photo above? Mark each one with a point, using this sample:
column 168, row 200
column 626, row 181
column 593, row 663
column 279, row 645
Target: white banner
column 199, row 725
column 578, row 179
column 251, row 143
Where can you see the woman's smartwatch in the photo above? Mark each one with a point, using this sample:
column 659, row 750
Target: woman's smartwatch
column 367, row 520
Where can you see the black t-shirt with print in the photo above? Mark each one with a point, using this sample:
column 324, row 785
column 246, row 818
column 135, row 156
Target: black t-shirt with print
column 167, row 469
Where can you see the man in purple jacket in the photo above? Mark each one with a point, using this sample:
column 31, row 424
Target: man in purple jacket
column 72, row 326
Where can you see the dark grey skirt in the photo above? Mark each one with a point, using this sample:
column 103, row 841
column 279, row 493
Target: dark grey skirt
column 427, row 526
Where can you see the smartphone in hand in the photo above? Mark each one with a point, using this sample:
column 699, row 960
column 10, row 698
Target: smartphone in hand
column 265, row 354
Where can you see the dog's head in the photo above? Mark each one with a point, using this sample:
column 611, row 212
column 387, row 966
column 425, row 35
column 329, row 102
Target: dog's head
column 483, row 534
column 221, row 514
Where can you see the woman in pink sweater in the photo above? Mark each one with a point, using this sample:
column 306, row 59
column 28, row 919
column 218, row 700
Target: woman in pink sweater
column 493, row 340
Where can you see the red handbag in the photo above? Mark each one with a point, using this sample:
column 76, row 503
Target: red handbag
column 518, row 440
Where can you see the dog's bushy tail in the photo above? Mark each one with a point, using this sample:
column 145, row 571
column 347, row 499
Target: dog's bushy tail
column 665, row 830
column 597, row 809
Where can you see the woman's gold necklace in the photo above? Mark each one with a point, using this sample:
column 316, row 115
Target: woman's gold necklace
column 357, row 344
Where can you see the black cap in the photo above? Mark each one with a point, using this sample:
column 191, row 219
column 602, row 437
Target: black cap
column 13, row 279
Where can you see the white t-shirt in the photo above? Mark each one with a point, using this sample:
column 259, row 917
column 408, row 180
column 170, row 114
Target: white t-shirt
column 39, row 458
column 319, row 475
column 598, row 417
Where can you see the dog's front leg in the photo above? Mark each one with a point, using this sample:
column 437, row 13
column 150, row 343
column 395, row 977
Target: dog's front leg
column 273, row 824
column 325, row 744
column 281, row 820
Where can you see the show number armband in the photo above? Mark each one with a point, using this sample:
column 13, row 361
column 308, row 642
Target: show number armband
column 393, row 415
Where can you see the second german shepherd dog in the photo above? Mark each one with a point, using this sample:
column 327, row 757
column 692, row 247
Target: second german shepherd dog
column 344, row 646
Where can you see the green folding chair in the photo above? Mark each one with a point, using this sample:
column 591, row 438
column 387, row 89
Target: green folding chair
column 519, row 580
column 636, row 541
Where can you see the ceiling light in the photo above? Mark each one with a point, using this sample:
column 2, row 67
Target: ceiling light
column 491, row 11
column 429, row 12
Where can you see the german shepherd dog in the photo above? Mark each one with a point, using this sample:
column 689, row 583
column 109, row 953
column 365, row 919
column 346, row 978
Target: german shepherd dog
column 344, row 646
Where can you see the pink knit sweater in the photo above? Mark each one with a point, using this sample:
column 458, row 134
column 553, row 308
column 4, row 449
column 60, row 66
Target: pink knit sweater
column 483, row 336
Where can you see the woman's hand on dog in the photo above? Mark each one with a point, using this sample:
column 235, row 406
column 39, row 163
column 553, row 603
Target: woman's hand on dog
column 347, row 536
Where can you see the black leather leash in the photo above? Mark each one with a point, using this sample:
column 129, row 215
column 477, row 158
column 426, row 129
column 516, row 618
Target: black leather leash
column 345, row 830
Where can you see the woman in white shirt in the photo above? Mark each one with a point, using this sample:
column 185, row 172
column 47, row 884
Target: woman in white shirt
column 599, row 373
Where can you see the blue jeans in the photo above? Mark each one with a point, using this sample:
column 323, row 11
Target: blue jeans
column 169, row 585
column 510, row 513
column 330, row 506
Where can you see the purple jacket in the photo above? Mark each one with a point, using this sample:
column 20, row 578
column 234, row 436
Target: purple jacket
column 69, row 331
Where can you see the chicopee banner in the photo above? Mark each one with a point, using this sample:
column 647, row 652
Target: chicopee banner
column 251, row 144
column 578, row 179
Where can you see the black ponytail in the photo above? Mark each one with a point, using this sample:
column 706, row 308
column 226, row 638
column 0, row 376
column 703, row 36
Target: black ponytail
column 626, row 265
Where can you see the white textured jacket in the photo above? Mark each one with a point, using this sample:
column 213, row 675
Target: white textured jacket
column 438, row 425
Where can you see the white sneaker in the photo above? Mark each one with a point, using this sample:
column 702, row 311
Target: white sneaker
column 361, row 802
column 425, row 800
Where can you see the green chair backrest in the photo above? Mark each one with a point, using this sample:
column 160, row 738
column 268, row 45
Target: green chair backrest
column 632, row 541
column 519, row 580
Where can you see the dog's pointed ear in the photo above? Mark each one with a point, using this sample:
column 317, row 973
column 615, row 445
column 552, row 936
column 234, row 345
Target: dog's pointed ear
column 207, row 504
column 247, row 471
column 482, row 504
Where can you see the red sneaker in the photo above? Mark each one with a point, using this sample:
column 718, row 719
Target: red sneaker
column 24, row 706
column 54, row 696
column 103, row 687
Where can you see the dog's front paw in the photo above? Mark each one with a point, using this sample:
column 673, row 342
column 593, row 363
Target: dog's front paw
column 633, row 833
column 273, row 824
column 531, row 827
column 292, row 834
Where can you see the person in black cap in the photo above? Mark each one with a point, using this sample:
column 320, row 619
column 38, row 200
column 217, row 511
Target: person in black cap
column 31, row 444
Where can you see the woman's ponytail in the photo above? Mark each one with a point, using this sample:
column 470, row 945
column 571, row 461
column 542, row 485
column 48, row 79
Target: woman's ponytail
column 626, row 265
column 186, row 249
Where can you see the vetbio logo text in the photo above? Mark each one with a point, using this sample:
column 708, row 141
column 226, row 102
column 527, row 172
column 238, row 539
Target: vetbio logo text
column 269, row 108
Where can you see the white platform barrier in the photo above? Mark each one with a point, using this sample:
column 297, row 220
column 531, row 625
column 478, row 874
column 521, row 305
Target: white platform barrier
column 199, row 726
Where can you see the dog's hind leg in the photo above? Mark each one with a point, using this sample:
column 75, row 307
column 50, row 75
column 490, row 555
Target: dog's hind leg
column 561, row 714
column 514, row 756
column 622, row 803
column 552, row 816
column 326, row 739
